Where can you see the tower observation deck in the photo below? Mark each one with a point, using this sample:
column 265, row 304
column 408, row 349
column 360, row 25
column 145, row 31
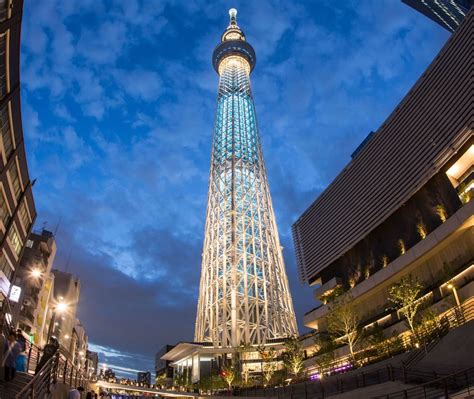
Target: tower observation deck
column 244, row 294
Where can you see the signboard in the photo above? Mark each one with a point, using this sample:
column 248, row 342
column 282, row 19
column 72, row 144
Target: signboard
column 15, row 293
column 4, row 284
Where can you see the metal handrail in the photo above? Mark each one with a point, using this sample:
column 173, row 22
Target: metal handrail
column 39, row 382
column 453, row 318
column 460, row 381
column 338, row 384
column 342, row 382
column 59, row 368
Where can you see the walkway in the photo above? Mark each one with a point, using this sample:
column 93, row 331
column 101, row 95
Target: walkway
column 164, row 393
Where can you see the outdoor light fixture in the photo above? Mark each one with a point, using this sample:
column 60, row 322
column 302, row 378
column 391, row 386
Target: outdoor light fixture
column 455, row 293
column 36, row 273
column 61, row 307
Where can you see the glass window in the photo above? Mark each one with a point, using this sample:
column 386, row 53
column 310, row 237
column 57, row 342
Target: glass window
column 3, row 10
column 25, row 218
column 15, row 240
column 4, row 213
column 3, row 69
column 15, row 178
column 6, row 132
column 5, row 266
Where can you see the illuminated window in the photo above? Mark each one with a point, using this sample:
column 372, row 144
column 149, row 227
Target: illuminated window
column 25, row 218
column 15, row 180
column 15, row 240
column 5, row 266
column 461, row 175
column 4, row 212
column 233, row 36
column 6, row 132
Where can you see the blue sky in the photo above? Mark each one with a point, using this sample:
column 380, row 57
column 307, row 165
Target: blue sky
column 118, row 109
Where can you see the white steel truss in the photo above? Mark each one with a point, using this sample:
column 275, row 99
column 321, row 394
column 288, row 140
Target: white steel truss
column 244, row 294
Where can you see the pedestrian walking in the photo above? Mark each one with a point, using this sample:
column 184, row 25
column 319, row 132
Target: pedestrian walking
column 49, row 351
column 11, row 351
column 22, row 357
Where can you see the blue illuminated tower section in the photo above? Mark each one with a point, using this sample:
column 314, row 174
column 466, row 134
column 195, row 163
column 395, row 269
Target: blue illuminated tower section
column 244, row 294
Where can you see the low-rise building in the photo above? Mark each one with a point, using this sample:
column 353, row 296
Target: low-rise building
column 78, row 346
column 31, row 304
column 144, row 378
column 92, row 364
column 67, row 289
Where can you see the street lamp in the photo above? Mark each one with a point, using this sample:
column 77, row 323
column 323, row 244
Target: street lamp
column 35, row 273
column 60, row 307
column 455, row 293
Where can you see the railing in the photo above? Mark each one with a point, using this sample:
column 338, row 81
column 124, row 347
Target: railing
column 58, row 369
column 458, row 383
column 338, row 384
column 425, row 339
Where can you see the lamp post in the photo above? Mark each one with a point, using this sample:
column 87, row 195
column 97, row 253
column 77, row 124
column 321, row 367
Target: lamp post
column 60, row 307
column 455, row 293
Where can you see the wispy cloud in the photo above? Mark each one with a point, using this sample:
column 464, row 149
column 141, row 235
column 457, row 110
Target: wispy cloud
column 118, row 108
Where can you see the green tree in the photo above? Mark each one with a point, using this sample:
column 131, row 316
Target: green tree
column 293, row 356
column 210, row 383
column 181, row 381
column 343, row 322
column 229, row 375
column 374, row 335
column 161, row 380
column 404, row 295
column 241, row 354
column 268, row 363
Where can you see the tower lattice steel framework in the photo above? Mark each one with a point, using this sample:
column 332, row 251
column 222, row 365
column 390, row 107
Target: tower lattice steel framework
column 244, row 294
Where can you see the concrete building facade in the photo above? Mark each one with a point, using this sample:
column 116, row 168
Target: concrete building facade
column 17, row 208
column 402, row 206
column 32, row 310
column 67, row 290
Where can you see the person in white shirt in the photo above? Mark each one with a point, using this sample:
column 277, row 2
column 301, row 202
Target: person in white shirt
column 75, row 393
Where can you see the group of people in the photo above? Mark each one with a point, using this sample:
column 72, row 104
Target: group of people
column 15, row 360
column 76, row 393
column 15, row 354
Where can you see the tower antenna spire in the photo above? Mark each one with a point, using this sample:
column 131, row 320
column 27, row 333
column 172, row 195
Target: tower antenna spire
column 244, row 293
column 233, row 16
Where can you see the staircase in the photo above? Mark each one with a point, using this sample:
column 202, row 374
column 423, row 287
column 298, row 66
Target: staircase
column 416, row 355
column 8, row 391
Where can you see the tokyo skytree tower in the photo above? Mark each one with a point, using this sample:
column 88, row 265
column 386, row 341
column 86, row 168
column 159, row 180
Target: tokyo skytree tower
column 244, row 294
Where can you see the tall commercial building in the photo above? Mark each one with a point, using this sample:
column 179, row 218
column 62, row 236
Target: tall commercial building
column 447, row 13
column 31, row 309
column 17, row 208
column 244, row 294
column 403, row 205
